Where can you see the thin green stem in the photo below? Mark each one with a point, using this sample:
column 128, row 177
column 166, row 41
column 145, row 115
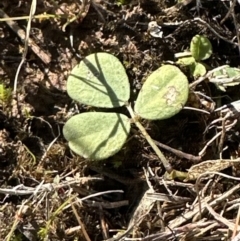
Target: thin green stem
column 163, row 159
column 40, row 16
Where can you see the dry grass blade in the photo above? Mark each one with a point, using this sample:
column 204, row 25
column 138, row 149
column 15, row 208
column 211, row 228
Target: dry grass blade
column 167, row 198
column 209, row 166
column 212, row 201
column 32, row 12
column 221, row 219
column 22, row 190
column 236, row 223
column 81, row 224
column 211, row 173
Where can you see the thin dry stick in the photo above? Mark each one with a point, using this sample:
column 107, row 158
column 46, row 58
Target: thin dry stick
column 80, row 222
column 22, row 190
column 5, row 17
column 183, row 217
column 228, row 13
column 214, row 31
column 222, row 138
column 233, row 3
column 104, row 226
column 202, row 152
column 209, row 27
column 206, row 229
column 210, row 173
column 179, row 153
column 219, row 218
column 236, row 223
column 32, row 12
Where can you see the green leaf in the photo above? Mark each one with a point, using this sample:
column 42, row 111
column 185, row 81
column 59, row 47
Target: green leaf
column 186, row 61
column 97, row 135
column 163, row 95
column 5, row 93
column 197, row 69
column 99, row 80
column 200, row 47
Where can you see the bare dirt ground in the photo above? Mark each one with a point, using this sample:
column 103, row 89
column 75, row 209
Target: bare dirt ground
column 45, row 189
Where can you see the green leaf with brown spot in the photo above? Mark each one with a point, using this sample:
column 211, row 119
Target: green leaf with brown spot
column 163, row 94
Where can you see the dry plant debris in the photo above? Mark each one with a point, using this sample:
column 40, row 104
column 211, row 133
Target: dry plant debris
column 49, row 193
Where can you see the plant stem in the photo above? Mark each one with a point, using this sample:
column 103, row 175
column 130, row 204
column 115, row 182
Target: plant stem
column 163, row 159
column 40, row 16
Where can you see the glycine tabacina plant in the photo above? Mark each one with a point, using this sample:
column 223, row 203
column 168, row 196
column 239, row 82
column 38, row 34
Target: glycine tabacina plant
column 200, row 49
column 100, row 80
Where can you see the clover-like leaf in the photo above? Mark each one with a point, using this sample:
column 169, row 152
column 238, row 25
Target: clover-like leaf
column 186, row 61
column 97, row 135
column 200, row 47
column 197, row 69
column 99, row 80
column 163, row 94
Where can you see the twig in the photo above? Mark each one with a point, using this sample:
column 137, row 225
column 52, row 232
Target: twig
column 207, row 25
column 228, row 13
column 81, row 224
column 214, row 31
column 220, row 218
column 233, row 3
column 179, row 153
column 107, row 205
column 223, row 196
column 236, row 223
column 202, row 152
column 48, row 187
column 32, row 12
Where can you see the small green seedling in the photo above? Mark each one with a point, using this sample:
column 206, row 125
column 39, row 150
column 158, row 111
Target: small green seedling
column 200, row 49
column 123, row 2
column 100, row 80
column 5, row 93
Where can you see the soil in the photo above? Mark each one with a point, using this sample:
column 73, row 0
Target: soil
column 45, row 187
